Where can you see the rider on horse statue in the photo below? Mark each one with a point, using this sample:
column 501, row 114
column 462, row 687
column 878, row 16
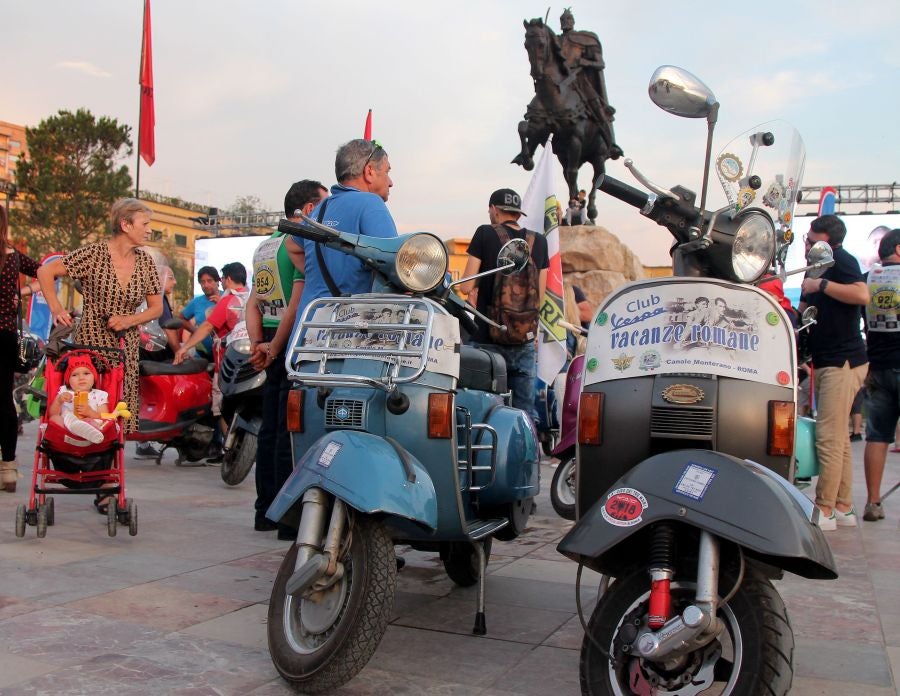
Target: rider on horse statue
column 584, row 59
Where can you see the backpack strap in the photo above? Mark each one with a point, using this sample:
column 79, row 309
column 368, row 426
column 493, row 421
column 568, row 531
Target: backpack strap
column 326, row 274
column 503, row 235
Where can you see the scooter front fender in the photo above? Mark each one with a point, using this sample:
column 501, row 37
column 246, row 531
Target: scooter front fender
column 369, row 473
column 735, row 499
column 249, row 425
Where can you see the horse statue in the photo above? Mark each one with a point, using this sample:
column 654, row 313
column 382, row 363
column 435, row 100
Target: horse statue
column 561, row 108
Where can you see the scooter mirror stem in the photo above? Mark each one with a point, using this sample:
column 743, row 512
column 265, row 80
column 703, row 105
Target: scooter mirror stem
column 499, row 269
column 711, row 119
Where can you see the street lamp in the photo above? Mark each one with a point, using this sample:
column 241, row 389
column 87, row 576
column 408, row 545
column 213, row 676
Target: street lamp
column 9, row 188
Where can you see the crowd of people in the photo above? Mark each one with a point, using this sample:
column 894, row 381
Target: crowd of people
column 123, row 288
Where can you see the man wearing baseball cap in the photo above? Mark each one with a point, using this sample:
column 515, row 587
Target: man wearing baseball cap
column 504, row 211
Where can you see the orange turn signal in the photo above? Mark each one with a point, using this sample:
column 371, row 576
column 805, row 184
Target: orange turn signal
column 590, row 418
column 781, row 428
column 440, row 415
column 295, row 411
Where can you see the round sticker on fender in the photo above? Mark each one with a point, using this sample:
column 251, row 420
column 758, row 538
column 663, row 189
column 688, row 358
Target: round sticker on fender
column 624, row 507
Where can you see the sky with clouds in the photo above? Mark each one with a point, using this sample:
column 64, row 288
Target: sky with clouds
column 251, row 96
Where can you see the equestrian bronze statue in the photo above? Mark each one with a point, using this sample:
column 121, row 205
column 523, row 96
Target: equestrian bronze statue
column 570, row 102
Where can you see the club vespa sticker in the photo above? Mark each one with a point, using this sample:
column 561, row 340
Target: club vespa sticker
column 329, row 452
column 694, row 481
column 624, row 507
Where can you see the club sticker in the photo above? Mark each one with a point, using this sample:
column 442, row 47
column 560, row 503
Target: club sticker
column 729, row 166
column 694, row 481
column 329, row 452
column 624, row 507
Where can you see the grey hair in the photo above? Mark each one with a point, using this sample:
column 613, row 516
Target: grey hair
column 352, row 158
column 126, row 209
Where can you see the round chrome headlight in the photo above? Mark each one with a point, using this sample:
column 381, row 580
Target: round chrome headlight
column 753, row 247
column 421, row 262
column 241, row 345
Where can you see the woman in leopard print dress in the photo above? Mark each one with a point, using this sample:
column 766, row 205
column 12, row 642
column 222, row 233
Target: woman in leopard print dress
column 116, row 276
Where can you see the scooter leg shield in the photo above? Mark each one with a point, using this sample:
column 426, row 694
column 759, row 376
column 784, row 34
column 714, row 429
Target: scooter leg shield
column 367, row 472
column 735, row 499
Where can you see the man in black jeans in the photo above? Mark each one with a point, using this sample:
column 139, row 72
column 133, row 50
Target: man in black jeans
column 270, row 315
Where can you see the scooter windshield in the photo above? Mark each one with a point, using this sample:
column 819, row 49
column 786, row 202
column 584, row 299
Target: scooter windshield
column 762, row 168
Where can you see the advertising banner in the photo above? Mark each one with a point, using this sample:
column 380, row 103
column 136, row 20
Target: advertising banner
column 361, row 330
column 683, row 325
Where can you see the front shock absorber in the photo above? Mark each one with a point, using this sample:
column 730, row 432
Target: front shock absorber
column 662, row 568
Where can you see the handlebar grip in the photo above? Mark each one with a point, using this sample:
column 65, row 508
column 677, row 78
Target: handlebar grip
column 622, row 191
column 305, row 231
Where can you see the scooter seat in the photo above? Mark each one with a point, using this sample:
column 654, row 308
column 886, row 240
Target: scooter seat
column 481, row 369
column 190, row 366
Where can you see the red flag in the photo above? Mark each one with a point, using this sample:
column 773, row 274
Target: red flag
column 367, row 133
column 147, row 146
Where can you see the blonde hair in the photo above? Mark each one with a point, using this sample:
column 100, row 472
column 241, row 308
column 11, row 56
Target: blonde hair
column 572, row 316
column 125, row 209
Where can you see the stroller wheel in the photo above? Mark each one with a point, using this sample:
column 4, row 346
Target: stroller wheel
column 111, row 517
column 132, row 516
column 20, row 521
column 51, row 512
column 42, row 521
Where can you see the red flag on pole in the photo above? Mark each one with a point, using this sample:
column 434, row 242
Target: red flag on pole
column 367, row 133
column 147, row 144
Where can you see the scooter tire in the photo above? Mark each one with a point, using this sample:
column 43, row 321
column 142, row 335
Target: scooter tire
column 461, row 561
column 315, row 658
column 237, row 461
column 755, row 620
column 562, row 489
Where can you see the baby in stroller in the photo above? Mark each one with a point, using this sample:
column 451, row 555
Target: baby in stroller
column 77, row 405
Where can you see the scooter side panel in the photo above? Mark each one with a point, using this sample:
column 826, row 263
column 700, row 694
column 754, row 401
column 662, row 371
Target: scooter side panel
column 734, row 499
column 364, row 471
column 518, row 458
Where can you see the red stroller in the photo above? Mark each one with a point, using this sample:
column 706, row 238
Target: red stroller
column 67, row 464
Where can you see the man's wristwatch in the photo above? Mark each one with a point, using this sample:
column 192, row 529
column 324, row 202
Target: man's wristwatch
column 823, row 284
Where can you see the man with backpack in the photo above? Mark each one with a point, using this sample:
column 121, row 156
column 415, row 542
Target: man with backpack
column 514, row 300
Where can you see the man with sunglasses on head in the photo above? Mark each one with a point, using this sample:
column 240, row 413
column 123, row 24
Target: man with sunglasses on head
column 840, row 365
column 356, row 205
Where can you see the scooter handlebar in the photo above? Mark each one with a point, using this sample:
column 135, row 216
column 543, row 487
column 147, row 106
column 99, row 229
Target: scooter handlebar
column 301, row 229
column 622, row 191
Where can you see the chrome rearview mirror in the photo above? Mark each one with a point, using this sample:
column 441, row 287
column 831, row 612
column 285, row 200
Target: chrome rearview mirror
column 818, row 258
column 809, row 316
column 679, row 92
column 513, row 256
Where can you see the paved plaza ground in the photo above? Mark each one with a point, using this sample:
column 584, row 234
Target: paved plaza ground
column 181, row 607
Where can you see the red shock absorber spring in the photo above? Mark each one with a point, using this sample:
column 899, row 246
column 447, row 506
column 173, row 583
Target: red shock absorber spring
column 660, row 608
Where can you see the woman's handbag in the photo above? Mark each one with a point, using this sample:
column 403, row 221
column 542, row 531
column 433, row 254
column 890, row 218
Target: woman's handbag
column 29, row 352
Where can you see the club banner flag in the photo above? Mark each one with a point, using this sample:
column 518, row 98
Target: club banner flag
column 367, row 131
column 540, row 205
column 147, row 147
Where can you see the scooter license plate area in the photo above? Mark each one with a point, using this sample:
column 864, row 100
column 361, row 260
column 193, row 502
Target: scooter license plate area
column 686, row 325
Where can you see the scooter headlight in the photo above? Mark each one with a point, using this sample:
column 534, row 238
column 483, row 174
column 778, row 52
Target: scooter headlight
column 421, row 262
column 241, row 345
column 753, row 246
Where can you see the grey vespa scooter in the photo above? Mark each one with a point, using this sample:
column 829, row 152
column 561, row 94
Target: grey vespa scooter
column 686, row 427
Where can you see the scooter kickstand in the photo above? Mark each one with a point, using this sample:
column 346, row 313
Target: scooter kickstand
column 480, row 628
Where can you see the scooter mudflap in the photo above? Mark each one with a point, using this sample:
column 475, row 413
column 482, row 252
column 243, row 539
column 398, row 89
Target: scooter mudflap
column 307, row 575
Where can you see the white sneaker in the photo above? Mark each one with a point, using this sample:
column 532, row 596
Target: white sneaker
column 827, row 523
column 845, row 519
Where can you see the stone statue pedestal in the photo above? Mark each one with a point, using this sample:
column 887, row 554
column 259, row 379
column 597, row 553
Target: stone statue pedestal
column 596, row 261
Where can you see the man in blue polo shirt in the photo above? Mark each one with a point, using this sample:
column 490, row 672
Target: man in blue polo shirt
column 356, row 205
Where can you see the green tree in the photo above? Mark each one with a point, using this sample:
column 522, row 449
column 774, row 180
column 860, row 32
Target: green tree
column 70, row 179
column 246, row 205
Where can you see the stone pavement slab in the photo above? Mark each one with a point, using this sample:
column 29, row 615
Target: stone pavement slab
column 182, row 607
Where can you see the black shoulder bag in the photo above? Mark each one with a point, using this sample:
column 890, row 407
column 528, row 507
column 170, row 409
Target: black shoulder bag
column 29, row 354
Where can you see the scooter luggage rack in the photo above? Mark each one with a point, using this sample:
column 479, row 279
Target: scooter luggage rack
column 323, row 378
column 468, row 450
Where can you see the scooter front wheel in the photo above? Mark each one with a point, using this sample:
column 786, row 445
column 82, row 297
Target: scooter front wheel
column 752, row 656
column 562, row 489
column 323, row 638
column 239, row 458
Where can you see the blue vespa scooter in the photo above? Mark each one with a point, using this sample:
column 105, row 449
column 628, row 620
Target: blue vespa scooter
column 401, row 435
